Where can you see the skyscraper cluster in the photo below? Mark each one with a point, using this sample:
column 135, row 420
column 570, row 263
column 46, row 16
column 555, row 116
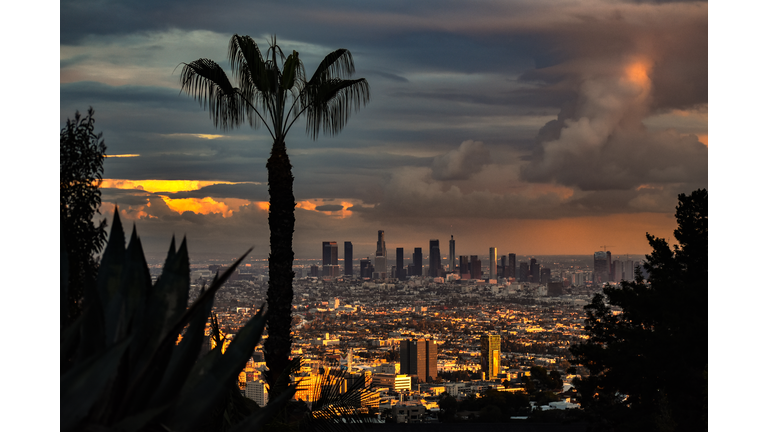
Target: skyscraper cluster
column 465, row 267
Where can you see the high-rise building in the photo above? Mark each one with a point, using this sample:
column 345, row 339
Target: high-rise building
column 464, row 266
column 546, row 275
column 452, row 255
column 399, row 269
column 366, row 270
column 490, row 355
column 435, row 261
column 523, row 272
column 380, row 260
column 492, row 263
column 419, row 357
column 418, row 268
column 475, row 267
column 602, row 267
column 625, row 270
column 330, row 259
column 504, row 271
column 512, row 265
column 330, row 253
column 348, row 258
column 533, row 271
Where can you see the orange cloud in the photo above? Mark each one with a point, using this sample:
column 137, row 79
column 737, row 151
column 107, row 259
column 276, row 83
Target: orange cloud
column 306, row 205
column 205, row 205
column 637, row 73
column 160, row 185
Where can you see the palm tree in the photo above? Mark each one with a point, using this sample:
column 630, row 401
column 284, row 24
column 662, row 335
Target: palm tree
column 273, row 91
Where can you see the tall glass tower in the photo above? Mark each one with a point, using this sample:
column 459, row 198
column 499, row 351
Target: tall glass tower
column 435, row 261
column 380, row 261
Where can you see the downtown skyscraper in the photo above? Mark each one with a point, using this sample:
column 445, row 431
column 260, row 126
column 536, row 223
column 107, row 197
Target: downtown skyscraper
column 452, row 255
column 400, row 271
column 418, row 266
column 380, row 260
column 348, row 258
column 492, row 263
column 435, row 261
column 330, row 259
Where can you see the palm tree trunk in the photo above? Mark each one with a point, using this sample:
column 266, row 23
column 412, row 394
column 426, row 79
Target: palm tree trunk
column 277, row 348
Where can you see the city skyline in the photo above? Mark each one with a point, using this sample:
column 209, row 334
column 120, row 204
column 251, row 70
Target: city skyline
column 580, row 134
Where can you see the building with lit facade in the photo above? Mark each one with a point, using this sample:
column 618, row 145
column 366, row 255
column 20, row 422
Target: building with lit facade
column 492, row 263
column 490, row 355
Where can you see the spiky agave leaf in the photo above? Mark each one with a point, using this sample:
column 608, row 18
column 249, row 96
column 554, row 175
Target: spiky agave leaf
column 82, row 385
column 168, row 340
column 211, row 376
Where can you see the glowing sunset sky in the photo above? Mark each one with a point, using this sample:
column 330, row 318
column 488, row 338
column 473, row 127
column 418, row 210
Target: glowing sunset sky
column 536, row 127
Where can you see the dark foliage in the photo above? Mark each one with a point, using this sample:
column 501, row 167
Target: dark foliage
column 81, row 161
column 648, row 361
column 121, row 366
column 495, row 406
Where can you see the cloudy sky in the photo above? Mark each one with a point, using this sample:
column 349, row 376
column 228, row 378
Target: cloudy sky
column 536, row 127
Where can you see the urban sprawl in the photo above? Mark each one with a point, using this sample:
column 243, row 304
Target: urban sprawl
column 430, row 324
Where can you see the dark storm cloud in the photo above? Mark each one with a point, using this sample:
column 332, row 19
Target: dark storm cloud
column 94, row 93
column 179, row 167
column 461, row 163
column 538, row 82
column 251, row 192
column 599, row 141
column 387, row 75
column 329, row 207
column 127, row 197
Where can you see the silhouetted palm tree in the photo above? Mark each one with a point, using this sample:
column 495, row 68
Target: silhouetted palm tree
column 273, row 90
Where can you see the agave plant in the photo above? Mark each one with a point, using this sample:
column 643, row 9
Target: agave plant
column 121, row 366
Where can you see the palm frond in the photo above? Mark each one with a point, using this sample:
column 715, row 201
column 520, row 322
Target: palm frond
column 207, row 83
column 329, row 104
column 248, row 66
column 338, row 64
column 335, row 406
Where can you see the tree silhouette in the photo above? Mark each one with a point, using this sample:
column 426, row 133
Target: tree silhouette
column 647, row 346
column 81, row 161
column 273, row 90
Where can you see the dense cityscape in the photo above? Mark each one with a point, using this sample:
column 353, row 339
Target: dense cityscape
column 410, row 332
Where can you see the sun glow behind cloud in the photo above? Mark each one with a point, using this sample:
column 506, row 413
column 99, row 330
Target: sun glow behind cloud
column 210, row 205
column 160, row 185
column 205, row 205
